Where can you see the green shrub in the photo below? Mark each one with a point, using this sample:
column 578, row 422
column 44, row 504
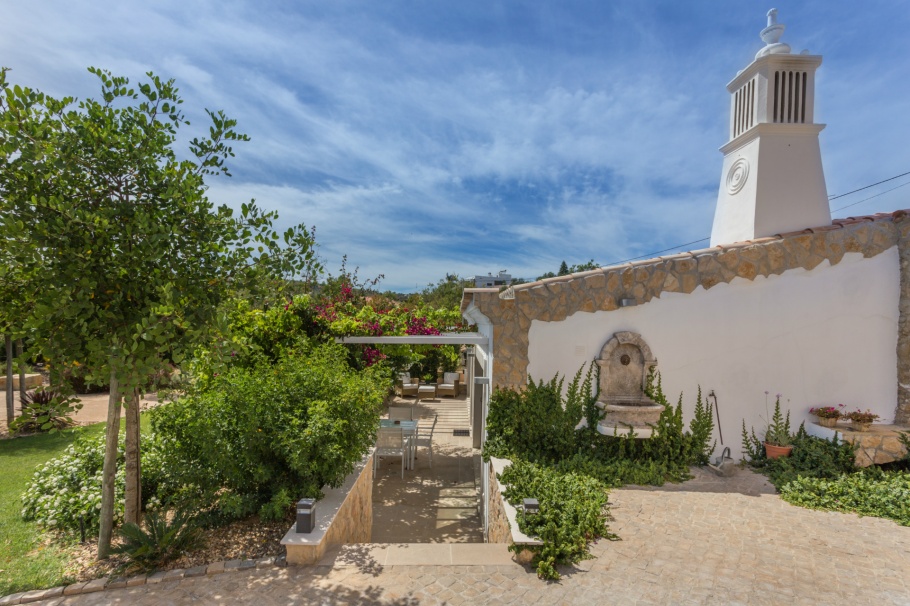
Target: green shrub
column 258, row 438
column 164, row 538
column 573, row 510
column 571, row 468
column 868, row 493
column 68, row 487
column 811, row 457
column 538, row 423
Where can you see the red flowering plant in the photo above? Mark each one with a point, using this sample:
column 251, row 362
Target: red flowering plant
column 827, row 412
column 858, row 416
column 346, row 307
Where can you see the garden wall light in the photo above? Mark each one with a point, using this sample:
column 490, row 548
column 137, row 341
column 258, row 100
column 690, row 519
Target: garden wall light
column 628, row 302
column 306, row 515
column 530, row 506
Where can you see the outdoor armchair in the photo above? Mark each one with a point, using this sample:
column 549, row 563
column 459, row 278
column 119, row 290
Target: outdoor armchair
column 449, row 385
column 406, row 386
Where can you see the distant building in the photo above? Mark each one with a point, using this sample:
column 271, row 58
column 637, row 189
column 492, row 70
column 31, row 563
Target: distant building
column 489, row 280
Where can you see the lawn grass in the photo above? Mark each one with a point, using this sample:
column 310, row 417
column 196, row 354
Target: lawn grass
column 25, row 563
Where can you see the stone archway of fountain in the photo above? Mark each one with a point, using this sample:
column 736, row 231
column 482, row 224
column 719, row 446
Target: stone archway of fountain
column 625, row 362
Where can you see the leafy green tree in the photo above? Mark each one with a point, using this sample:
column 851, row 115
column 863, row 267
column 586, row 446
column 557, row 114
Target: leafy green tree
column 565, row 270
column 134, row 260
column 446, row 293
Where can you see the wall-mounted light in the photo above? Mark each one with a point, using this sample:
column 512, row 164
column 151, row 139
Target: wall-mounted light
column 628, row 302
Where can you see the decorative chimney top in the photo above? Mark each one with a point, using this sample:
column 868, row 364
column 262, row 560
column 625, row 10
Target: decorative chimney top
column 771, row 37
column 772, row 180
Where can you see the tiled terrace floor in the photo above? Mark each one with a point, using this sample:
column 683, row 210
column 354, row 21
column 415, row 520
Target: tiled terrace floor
column 431, row 505
column 708, row 541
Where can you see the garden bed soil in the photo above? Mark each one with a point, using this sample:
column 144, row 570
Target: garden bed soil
column 242, row 540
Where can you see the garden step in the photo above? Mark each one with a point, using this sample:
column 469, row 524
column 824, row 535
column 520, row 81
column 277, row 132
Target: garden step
column 419, row 554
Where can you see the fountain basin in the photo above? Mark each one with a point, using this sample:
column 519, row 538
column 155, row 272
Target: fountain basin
column 620, row 417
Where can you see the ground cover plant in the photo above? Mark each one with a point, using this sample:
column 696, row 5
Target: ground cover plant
column 570, row 466
column 868, row 492
column 821, row 474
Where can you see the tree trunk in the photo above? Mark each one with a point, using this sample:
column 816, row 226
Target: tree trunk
column 10, row 403
column 110, row 468
column 133, row 493
column 20, row 349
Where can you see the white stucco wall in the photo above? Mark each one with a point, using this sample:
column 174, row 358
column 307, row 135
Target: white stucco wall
column 819, row 337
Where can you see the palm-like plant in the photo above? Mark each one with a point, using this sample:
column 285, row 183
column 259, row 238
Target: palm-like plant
column 161, row 541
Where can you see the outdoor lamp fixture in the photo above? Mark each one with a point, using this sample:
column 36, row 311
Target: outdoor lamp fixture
column 628, row 302
column 306, row 515
column 530, row 506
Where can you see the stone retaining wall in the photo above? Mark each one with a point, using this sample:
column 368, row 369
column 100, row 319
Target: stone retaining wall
column 344, row 515
column 498, row 530
column 503, row 527
column 879, row 445
column 555, row 299
column 31, row 380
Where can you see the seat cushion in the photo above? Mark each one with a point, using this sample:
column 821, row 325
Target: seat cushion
column 450, row 378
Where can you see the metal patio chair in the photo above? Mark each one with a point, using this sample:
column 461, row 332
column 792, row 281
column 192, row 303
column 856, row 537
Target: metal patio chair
column 425, row 438
column 390, row 442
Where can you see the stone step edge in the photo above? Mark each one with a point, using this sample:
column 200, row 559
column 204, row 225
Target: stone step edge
column 104, row 583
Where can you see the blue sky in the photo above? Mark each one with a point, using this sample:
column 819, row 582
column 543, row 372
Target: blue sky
column 425, row 138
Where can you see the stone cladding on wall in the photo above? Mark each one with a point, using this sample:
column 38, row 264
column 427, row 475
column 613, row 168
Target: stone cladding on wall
column 555, row 299
column 880, row 445
column 498, row 529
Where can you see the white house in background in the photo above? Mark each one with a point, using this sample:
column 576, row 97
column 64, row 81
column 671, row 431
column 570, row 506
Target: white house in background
column 491, row 281
column 784, row 301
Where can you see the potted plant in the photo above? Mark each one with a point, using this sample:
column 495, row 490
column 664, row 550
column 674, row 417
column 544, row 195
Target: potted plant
column 827, row 415
column 860, row 421
column 777, row 435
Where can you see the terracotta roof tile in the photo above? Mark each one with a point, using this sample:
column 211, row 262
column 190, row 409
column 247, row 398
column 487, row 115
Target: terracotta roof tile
column 735, row 245
column 793, row 234
column 824, row 228
column 677, row 256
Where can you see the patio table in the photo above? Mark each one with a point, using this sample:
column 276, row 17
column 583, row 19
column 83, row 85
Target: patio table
column 409, row 430
column 426, row 392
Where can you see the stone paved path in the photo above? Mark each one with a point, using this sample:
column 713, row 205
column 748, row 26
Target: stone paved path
column 708, row 541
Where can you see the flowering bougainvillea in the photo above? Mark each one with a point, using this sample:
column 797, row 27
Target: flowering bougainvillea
column 346, row 311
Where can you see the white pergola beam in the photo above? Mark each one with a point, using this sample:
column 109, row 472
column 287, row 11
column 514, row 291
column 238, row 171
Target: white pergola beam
column 461, row 338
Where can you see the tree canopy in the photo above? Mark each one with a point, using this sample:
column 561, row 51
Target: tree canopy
column 122, row 263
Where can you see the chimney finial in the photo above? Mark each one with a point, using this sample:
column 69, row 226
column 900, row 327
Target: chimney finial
column 771, row 37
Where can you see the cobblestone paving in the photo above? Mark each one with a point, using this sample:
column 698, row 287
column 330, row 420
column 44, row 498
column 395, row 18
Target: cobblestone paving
column 708, row 541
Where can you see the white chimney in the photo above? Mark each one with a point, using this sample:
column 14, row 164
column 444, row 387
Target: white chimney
column 772, row 181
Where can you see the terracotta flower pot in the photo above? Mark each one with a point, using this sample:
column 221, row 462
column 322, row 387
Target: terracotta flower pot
column 775, row 452
column 827, row 422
